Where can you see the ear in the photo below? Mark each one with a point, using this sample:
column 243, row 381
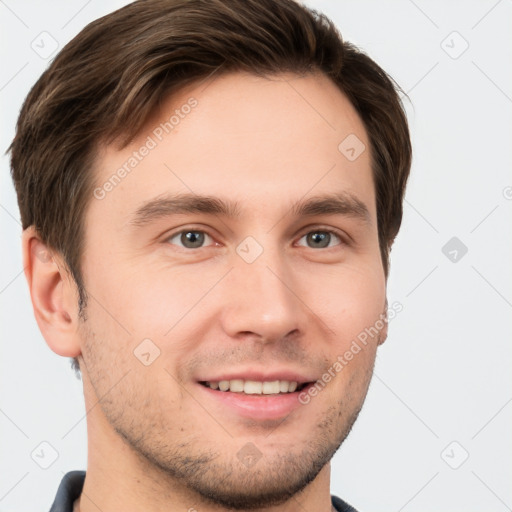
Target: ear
column 53, row 293
column 383, row 334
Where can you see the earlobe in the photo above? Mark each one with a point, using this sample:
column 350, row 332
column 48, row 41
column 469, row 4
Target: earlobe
column 53, row 295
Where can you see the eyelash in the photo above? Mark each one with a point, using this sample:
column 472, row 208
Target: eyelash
column 316, row 230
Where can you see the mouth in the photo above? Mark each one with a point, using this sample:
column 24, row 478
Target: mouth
column 254, row 399
column 254, row 387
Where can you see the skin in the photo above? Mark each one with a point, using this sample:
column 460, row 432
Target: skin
column 155, row 442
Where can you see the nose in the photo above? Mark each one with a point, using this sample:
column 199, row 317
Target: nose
column 259, row 299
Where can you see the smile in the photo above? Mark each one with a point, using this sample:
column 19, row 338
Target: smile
column 253, row 387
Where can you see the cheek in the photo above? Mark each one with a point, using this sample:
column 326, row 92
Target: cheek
column 351, row 304
column 148, row 300
column 166, row 311
column 348, row 300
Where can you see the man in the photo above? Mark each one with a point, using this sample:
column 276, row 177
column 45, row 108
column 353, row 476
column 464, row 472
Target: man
column 209, row 192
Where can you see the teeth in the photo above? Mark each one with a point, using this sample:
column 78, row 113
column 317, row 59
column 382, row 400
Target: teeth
column 236, row 385
column 253, row 387
column 271, row 388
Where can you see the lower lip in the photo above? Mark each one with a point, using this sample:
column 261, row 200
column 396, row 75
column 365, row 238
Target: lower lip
column 259, row 407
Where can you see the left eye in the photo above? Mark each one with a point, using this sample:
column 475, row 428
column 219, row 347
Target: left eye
column 321, row 238
column 194, row 239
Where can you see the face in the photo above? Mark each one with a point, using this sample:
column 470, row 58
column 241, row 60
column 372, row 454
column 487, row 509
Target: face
column 270, row 278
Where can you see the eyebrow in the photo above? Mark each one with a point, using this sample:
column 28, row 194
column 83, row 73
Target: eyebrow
column 342, row 203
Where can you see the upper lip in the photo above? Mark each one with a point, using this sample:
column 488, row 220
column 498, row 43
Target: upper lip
column 262, row 376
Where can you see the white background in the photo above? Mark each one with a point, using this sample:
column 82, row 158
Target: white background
column 443, row 375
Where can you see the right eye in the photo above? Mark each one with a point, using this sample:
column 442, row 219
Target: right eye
column 189, row 238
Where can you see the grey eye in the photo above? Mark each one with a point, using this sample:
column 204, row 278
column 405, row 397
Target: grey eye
column 190, row 239
column 320, row 238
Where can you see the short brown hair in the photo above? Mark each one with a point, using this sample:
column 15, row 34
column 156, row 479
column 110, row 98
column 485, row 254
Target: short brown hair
column 109, row 79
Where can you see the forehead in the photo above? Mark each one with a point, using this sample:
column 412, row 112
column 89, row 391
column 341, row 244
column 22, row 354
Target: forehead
column 251, row 139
